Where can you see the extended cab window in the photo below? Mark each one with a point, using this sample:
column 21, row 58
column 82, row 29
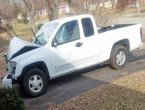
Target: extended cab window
column 87, row 27
column 68, row 32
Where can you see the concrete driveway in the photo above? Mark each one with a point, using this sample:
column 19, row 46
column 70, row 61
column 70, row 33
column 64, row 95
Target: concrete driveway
column 67, row 87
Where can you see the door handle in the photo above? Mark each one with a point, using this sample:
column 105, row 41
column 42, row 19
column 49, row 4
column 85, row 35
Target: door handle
column 79, row 44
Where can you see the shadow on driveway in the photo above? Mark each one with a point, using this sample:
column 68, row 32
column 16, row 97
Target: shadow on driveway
column 69, row 86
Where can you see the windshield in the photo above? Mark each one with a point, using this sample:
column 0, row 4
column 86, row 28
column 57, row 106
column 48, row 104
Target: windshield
column 39, row 38
column 44, row 34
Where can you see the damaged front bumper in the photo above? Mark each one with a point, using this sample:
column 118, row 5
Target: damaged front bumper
column 7, row 81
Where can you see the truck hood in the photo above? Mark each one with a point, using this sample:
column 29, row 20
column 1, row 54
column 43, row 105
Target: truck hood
column 18, row 46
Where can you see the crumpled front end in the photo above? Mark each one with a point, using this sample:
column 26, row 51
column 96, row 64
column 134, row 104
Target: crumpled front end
column 17, row 47
column 7, row 80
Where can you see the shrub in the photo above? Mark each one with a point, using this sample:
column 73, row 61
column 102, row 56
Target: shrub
column 23, row 18
column 10, row 100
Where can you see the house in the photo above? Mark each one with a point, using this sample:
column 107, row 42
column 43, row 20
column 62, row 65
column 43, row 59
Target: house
column 142, row 1
column 92, row 4
column 41, row 13
column 63, row 8
column 107, row 3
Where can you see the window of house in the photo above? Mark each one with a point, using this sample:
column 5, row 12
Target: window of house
column 68, row 32
column 87, row 27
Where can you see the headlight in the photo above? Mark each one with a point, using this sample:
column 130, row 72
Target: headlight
column 13, row 63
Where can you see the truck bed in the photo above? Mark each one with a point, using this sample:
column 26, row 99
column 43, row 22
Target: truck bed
column 112, row 27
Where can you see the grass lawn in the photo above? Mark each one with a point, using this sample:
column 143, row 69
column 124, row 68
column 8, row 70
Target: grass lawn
column 24, row 30
column 126, row 93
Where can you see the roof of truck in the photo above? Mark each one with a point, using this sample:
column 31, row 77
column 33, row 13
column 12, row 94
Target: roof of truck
column 55, row 23
column 75, row 17
column 70, row 18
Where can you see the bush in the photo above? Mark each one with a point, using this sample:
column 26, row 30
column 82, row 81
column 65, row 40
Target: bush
column 23, row 18
column 10, row 100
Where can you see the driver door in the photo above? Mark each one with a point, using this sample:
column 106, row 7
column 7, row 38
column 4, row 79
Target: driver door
column 68, row 54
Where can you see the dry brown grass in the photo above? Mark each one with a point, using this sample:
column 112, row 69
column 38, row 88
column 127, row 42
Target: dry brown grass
column 126, row 93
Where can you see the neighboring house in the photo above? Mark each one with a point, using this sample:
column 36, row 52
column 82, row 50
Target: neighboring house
column 100, row 3
column 41, row 13
column 142, row 1
column 63, row 8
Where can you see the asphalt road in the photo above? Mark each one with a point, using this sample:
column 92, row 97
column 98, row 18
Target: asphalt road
column 67, row 87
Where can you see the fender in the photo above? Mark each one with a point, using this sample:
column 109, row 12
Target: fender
column 40, row 65
column 123, row 42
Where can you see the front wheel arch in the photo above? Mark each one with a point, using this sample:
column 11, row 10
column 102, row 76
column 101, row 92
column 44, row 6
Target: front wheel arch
column 39, row 65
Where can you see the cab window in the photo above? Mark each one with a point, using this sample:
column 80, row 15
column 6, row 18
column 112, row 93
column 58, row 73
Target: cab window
column 68, row 32
column 87, row 27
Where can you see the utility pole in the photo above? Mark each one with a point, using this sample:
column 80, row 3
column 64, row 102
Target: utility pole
column 138, row 6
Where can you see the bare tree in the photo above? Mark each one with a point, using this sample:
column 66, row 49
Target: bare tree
column 96, row 8
column 30, row 7
column 113, row 2
column 121, row 4
column 52, row 7
column 9, row 9
column 138, row 6
column 8, row 12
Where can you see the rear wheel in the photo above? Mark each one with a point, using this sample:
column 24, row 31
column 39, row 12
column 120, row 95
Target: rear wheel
column 35, row 82
column 119, row 57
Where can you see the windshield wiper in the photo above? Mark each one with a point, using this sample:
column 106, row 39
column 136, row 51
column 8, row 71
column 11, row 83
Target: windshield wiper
column 35, row 37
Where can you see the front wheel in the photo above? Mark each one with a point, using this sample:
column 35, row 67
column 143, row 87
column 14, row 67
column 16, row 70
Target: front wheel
column 35, row 82
column 119, row 57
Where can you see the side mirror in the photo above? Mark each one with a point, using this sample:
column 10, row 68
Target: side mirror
column 54, row 44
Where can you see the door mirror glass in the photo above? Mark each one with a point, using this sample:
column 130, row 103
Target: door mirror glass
column 54, row 43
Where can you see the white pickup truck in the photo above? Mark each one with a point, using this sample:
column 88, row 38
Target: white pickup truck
column 66, row 45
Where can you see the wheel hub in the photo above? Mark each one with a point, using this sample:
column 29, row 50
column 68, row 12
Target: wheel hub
column 120, row 58
column 35, row 83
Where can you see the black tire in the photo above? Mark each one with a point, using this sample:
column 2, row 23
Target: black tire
column 35, row 82
column 119, row 56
